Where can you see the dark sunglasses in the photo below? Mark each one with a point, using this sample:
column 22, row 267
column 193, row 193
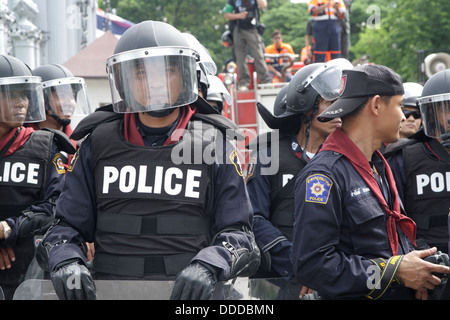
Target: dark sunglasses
column 415, row 114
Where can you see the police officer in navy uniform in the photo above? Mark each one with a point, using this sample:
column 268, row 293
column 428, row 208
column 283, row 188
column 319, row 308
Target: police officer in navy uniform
column 158, row 197
column 421, row 165
column 352, row 239
column 31, row 170
column 278, row 158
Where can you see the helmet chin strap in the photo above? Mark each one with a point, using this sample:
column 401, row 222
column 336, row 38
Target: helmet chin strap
column 307, row 121
column 62, row 122
column 161, row 113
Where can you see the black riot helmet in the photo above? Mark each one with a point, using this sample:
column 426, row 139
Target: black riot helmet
column 141, row 71
column 21, row 97
column 52, row 71
column 64, row 94
column 280, row 119
column 205, row 66
column 279, row 106
column 434, row 104
column 217, row 93
column 413, row 91
column 301, row 98
column 314, row 81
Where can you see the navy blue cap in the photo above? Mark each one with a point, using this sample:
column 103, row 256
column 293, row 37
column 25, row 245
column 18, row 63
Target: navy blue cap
column 358, row 84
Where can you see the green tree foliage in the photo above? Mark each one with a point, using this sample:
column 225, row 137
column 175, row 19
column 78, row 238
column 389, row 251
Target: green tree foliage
column 406, row 26
column 207, row 23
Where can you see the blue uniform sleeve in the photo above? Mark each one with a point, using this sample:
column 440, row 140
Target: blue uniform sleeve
column 75, row 210
column 268, row 237
column 317, row 262
column 232, row 214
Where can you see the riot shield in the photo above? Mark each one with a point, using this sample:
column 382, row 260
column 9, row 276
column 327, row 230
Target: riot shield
column 234, row 289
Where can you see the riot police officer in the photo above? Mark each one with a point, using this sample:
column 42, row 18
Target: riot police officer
column 421, row 164
column 411, row 110
column 296, row 138
column 64, row 96
column 138, row 188
column 30, row 168
column 218, row 94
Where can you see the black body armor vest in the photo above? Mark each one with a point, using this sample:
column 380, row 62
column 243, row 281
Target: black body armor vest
column 23, row 180
column 427, row 197
column 282, row 202
column 23, row 174
column 153, row 213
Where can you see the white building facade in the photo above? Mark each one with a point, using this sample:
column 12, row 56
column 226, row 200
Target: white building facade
column 46, row 31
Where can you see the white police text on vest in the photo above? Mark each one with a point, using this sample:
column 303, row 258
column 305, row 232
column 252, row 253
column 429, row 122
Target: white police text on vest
column 155, row 181
column 23, row 173
column 436, row 182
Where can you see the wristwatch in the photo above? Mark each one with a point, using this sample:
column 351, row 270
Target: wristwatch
column 6, row 229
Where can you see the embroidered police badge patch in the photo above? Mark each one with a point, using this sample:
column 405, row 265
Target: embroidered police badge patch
column 59, row 164
column 318, row 188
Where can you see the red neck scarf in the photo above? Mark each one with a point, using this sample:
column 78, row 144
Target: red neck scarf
column 338, row 141
column 21, row 138
column 132, row 135
column 68, row 131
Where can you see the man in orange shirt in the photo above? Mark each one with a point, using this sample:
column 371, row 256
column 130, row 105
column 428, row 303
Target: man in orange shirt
column 276, row 65
column 327, row 30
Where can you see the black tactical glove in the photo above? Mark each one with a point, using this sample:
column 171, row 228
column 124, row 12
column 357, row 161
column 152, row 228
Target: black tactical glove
column 195, row 282
column 34, row 224
column 73, row 281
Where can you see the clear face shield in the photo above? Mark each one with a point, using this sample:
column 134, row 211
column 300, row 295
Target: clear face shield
column 152, row 79
column 216, row 86
column 66, row 97
column 326, row 80
column 435, row 112
column 21, row 100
